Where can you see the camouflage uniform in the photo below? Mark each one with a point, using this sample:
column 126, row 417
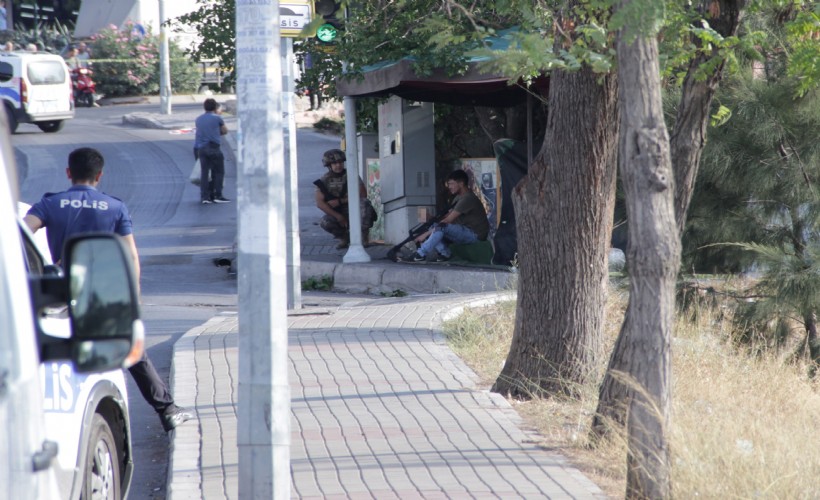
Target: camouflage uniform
column 337, row 187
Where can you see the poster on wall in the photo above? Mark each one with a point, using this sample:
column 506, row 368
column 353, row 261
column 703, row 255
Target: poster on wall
column 374, row 194
column 485, row 180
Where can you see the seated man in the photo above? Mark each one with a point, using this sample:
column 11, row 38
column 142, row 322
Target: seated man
column 331, row 198
column 466, row 222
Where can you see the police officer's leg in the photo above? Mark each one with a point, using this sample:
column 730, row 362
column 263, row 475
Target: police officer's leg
column 156, row 394
column 151, row 385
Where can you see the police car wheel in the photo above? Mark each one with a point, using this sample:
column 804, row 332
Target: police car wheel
column 101, row 478
column 51, row 127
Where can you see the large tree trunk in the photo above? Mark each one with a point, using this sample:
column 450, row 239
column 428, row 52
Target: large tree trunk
column 686, row 145
column 563, row 222
column 653, row 253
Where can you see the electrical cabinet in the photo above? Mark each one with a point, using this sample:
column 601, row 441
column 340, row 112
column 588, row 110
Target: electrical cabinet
column 407, row 165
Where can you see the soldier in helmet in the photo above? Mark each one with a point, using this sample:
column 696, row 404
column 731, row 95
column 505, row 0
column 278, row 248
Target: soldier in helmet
column 331, row 198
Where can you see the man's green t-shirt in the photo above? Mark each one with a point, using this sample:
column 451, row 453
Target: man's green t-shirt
column 472, row 214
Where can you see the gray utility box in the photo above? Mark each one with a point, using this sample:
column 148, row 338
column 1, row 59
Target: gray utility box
column 407, row 164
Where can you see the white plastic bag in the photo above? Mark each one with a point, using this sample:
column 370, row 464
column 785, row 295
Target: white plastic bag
column 196, row 173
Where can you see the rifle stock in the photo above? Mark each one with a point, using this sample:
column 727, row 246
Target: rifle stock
column 415, row 232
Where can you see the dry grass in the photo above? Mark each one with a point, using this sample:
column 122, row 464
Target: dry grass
column 742, row 426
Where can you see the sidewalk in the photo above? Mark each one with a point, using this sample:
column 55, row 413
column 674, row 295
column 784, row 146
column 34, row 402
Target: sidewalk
column 381, row 409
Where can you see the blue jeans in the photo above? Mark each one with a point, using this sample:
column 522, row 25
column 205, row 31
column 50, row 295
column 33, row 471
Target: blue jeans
column 455, row 233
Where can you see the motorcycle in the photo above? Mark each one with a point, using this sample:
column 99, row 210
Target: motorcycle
column 85, row 90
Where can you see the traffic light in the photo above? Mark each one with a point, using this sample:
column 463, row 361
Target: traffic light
column 333, row 16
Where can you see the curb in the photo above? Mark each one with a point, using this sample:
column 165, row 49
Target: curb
column 375, row 279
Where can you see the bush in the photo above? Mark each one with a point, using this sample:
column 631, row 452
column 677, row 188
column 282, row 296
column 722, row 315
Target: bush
column 126, row 63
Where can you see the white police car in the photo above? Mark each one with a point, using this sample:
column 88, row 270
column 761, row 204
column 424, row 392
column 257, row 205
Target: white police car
column 85, row 414
column 81, row 419
column 36, row 88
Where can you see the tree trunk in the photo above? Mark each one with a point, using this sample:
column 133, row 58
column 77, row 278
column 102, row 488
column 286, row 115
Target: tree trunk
column 653, row 253
column 689, row 135
column 686, row 145
column 813, row 343
column 564, row 221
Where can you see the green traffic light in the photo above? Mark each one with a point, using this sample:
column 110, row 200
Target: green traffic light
column 327, row 33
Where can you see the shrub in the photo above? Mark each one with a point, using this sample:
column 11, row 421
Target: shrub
column 322, row 283
column 126, row 63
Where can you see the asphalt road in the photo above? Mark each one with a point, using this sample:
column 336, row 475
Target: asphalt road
column 179, row 240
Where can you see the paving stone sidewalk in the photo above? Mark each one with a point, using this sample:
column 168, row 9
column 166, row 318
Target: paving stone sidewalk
column 381, row 408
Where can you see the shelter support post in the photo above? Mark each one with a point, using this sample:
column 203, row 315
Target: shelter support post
column 356, row 252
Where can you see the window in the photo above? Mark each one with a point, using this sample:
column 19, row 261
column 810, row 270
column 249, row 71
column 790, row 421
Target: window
column 46, row 73
column 6, row 71
column 34, row 262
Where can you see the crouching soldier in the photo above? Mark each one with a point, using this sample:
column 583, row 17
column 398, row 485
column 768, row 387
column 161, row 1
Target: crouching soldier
column 331, row 198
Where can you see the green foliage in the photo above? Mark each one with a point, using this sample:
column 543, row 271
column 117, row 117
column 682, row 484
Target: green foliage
column 756, row 204
column 215, row 23
column 804, row 64
column 126, row 63
column 330, row 125
column 322, row 283
column 639, row 18
column 319, row 67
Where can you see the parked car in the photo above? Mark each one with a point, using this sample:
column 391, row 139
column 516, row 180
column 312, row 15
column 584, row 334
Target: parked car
column 85, row 414
column 36, row 88
column 58, row 396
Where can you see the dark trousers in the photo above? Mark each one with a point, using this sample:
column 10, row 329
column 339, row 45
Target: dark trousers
column 151, row 386
column 212, row 162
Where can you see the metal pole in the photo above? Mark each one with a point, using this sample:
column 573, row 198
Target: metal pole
column 291, row 179
column 164, row 64
column 263, row 434
column 356, row 252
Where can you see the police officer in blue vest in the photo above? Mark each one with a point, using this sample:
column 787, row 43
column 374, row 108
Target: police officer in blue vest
column 83, row 209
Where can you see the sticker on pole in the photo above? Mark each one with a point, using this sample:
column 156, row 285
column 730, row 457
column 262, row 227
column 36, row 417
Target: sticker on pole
column 293, row 16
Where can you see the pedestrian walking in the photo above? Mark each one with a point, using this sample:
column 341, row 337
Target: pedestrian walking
column 210, row 127
column 84, row 209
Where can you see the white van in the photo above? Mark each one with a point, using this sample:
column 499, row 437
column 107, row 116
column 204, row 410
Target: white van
column 98, row 293
column 36, row 88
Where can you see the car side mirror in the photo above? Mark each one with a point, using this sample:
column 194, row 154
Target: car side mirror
column 97, row 300
column 103, row 304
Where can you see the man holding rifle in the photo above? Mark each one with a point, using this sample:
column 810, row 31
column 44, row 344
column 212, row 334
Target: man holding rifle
column 466, row 222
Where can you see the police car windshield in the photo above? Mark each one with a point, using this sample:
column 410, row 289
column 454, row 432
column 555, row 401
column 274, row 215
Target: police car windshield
column 45, row 72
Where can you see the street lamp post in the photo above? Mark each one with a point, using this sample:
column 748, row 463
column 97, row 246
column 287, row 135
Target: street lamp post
column 263, row 434
column 164, row 64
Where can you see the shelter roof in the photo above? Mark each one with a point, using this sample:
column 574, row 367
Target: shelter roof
column 473, row 88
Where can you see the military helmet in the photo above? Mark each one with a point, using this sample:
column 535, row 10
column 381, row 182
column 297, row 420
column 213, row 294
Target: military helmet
column 332, row 156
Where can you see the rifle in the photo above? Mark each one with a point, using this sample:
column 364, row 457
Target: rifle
column 415, row 232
